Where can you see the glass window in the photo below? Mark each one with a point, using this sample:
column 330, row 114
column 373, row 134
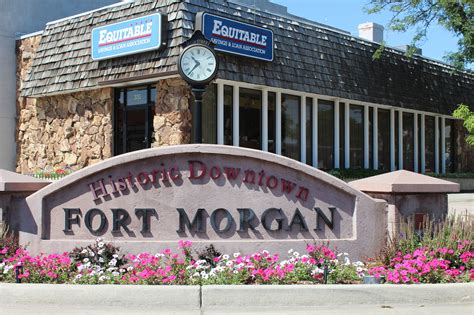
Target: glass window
column 271, row 121
column 137, row 96
column 383, row 139
column 429, row 144
column 395, row 130
column 408, row 141
column 209, row 115
column 228, row 114
column 357, row 136
column 325, row 134
column 290, row 126
column 134, row 110
column 250, row 118
column 448, row 131
column 342, row 137
column 309, row 131
column 371, row 138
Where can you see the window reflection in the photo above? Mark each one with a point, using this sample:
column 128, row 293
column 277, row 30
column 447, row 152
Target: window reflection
column 290, row 126
column 356, row 114
column 325, row 134
column 250, row 111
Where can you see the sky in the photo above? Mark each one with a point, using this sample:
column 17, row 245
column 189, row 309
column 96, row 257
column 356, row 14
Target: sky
column 348, row 14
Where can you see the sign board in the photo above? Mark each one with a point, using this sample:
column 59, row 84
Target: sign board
column 236, row 37
column 128, row 37
column 237, row 199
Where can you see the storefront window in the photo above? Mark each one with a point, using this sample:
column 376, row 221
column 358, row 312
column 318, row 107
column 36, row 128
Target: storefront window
column 371, row 138
column 342, row 138
column 250, row 118
column 396, row 138
column 309, row 131
column 357, row 136
column 209, row 115
column 290, row 126
column 325, row 134
column 271, row 121
column 448, row 131
column 408, row 141
column 383, row 139
column 228, row 122
column 429, row 144
column 133, row 124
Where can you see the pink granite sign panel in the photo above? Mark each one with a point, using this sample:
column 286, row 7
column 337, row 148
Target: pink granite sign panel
column 232, row 197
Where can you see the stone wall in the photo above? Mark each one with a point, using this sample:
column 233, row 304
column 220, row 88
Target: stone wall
column 70, row 130
column 172, row 121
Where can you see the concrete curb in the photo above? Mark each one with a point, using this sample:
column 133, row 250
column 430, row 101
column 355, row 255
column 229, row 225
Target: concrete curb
column 307, row 296
column 229, row 298
column 137, row 297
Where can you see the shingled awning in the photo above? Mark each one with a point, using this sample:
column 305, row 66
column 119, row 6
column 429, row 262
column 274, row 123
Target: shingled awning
column 308, row 58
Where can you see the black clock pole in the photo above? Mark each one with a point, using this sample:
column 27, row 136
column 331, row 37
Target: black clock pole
column 198, row 91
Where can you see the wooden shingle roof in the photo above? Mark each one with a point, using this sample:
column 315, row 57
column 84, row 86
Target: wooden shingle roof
column 307, row 58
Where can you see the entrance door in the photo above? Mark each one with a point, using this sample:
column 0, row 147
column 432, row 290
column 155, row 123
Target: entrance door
column 134, row 111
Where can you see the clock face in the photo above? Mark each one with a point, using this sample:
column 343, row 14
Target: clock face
column 198, row 64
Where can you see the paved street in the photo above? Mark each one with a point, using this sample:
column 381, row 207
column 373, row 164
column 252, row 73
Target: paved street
column 460, row 203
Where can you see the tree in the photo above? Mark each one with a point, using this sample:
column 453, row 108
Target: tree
column 463, row 112
column 456, row 16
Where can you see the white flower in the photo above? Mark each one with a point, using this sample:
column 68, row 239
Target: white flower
column 225, row 257
column 85, row 260
column 79, row 276
column 98, row 240
column 229, row 263
column 2, row 265
column 84, row 251
column 115, row 273
column 236, row 255
column 100, row 251
column 359, row 269
column 100, row 244
column 296, row 254
column 290, row 251
column 115, row 256
column 130, row 268
column 347, row 261
column 102, row 278
column 206, row 276
column 113, row 262
column 101, row 259
column 122, row 270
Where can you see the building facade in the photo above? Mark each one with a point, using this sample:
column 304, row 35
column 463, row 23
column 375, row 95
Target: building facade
column 321, row 99
column 34, row 16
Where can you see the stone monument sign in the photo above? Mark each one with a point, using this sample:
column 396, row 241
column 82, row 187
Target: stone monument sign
column 237, row 199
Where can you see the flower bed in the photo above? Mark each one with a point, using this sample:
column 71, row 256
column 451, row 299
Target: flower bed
column 100, row 263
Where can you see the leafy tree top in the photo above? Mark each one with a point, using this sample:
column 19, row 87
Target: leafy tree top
column 457, row 16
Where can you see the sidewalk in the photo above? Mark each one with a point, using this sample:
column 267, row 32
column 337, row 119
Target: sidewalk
column 430, row 299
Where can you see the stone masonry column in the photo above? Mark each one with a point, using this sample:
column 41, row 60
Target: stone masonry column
column 172, row 121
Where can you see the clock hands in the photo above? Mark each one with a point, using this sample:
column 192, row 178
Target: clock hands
column 195, row 66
